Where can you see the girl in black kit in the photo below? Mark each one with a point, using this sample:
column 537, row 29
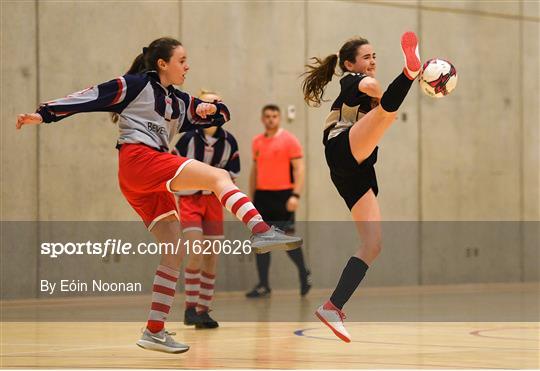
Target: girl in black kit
column 356, row 123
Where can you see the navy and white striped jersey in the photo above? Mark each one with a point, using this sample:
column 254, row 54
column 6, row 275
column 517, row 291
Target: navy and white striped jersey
column 149, row 113
column 220, row 151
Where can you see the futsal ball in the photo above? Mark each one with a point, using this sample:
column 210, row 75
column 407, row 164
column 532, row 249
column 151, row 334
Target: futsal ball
column 438, row 78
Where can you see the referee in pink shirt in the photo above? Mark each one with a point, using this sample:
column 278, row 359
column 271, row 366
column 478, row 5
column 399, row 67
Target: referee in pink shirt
column 276, row 181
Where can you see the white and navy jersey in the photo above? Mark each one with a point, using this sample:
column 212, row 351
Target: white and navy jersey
column 219, row 150
column 349, row 106
column 149, row 113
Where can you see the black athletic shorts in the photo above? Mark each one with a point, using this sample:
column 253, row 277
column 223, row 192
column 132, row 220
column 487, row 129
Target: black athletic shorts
column 273, row 208
column 352, row 180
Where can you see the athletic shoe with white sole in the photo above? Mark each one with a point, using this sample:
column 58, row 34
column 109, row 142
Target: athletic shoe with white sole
column 274, row 239
column 161, row 341
column 409, row 45
column 333, row 318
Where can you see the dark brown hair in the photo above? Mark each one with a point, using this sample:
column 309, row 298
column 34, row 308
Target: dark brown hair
column 161, row 48
column 270, row 107
column 321, row 71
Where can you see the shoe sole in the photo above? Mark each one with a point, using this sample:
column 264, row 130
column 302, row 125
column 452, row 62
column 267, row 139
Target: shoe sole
column 409, row 45
column 336, row 332
column 272, row 246
column 204, row 327
column 148, row 345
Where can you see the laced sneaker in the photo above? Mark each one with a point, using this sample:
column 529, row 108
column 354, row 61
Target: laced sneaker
column 333, row 318
column 259, row 292
column 274, row 239
column 305, row 283
column 205, row 321
column 190, row 316
column 409, row 45
column 161, row 341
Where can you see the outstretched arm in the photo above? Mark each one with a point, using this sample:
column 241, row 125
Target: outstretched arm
column 111, row 96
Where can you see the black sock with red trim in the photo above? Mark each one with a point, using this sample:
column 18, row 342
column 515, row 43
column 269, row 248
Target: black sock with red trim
column 352, row 275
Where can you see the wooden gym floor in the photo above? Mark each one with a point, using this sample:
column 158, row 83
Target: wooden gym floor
column 459, row 327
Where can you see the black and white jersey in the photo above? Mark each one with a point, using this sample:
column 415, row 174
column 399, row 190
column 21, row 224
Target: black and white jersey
column 219, row 150
column 349, row 107
column 149, row 113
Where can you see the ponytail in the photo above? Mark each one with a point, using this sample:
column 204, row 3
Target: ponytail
column 138, row 65
column 320, row 72
column 318, row 75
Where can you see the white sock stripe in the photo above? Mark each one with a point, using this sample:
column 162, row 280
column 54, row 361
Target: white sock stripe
column 169, row 271
column 164, row 282
column 192, row 287
column 254, row 221
column 232, row 200
column 192, row 299
column 244, row 209
column 206, row 303
column 209, row 281
column 227, row 190
column 191, row 276
column 156, row 315
column 208, row 292
column 162, row 298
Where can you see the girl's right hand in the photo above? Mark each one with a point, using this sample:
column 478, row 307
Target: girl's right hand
column 28, row 119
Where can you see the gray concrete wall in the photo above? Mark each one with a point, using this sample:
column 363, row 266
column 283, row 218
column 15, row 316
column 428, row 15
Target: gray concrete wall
column 18, row 152
column 472, row 156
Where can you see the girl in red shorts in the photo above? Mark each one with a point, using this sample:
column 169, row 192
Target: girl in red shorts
column 201, row 216
column 149, row 112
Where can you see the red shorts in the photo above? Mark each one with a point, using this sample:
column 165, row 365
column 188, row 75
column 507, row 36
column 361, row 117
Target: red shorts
column 202, row 213
column 144, row 175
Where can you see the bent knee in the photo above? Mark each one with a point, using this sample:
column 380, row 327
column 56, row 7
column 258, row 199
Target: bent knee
column 219, row 175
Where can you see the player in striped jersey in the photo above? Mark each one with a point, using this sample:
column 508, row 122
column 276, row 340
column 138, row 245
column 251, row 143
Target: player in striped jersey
column 201, row 215
column 358, row 119
column 150, row 110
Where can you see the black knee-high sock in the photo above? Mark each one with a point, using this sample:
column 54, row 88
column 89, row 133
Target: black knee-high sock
column 352, row 275
column 396, row 93
column 297, row 257
column 263, row 265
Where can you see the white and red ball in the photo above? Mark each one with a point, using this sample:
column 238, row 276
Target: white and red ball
column 438, row 78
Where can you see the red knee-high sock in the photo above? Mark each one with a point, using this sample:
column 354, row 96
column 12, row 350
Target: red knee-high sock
column 162, row 297
column 239, row 204
column 192, row 286
column 206, row 293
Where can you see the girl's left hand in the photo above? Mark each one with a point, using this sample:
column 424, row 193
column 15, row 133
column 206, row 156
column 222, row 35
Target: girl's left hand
column 205, row 109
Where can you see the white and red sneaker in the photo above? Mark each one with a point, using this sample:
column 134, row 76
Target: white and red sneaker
column 332, row 317
column 409, row 45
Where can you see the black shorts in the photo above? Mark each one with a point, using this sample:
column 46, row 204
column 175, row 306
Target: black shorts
column 352, row 180
column 273, row 208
